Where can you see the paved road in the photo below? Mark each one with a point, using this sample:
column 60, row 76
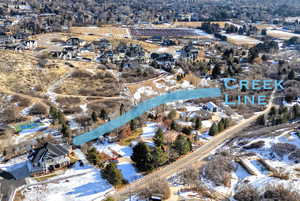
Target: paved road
column 193, row 157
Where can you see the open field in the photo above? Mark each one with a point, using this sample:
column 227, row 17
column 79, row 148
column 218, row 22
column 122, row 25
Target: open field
column 19, row 72
column 167, row 32
column 106, row 31
column 281, row 34
column 190, row 24
column 265, row 26
column 241, row 40
column 47, row 41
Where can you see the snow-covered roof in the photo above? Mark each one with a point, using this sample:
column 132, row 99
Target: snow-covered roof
column 211, row 105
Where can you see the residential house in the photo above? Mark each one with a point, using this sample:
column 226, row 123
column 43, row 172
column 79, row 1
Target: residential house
column 102, row 45
column 75, row 42
column 48, row 158
column 67, row 53
column 163, row 58
column 212, row 107
column 168, row 42
column 189, row 53
column 4, row 39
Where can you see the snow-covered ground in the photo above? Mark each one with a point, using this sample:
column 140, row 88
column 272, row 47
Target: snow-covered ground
column 149, row 130
column 129, row 172
column 144, row 91
column 241, row 39
column 110, row 148
column 240, row 177
column 14, row 163
column 281, row 34
column 127, row 168
column 86, row 185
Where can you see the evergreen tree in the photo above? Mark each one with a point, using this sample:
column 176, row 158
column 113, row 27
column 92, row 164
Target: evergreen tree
column 221, row 125
column 198, row 124
column 53, row 112
column 261, row 120
column 213, row 130
column 94, row 157
column 291, row 75
column 187, row 130
column 65, row 130
column 216, row 71
column 122, row 109
column 159, row 157
column 133, row 124
column 296, row 111
column 273, row 112
column 94, row 116
column 142, row 157
column 174, row 125
column 182, row 145
column 159, row 138
column 226, row 123
column 113, row 175
column 103, row 115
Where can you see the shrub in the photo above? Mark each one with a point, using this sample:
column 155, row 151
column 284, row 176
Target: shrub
column 22, row 102
column 8, row 115
column 110, row 199
column 190, row 177
column 172, row 114
column 281, row 175
column 113, row 175
column 295, row 155
column 80, row 74
column 72, row 110
column 38, row 109
column 248, row 193
column 187, row 130
column 160, row 187
column 283, row 148
column 68, row 100
column 255, row 145
column 219, row 170
column 281, row 193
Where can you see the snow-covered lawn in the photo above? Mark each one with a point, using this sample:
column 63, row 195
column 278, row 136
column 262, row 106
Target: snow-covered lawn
column 110, row 148
column 14, row 163
column 241, row 172
column 241, row 39
column 281, row 34
column 85, row 187
column 129, row 172
column 144, row 91
column 149, row 130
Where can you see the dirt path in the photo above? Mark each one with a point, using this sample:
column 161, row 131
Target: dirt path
column 33, row 100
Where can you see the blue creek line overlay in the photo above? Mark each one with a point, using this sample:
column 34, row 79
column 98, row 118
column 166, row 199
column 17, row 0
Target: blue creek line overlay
column 145, row 106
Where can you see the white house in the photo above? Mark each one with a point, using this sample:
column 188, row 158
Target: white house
column 212, row 107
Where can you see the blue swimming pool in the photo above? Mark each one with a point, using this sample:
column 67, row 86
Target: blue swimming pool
column 144, row 107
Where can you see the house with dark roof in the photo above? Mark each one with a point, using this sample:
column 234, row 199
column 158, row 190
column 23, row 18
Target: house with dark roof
column 189, row 53
column 48, row 158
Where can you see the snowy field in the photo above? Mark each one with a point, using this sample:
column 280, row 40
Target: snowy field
column 241, row 39
column 127, row 168
column 111, row 148
column 280, row 34
column 86, row 185
column 149, row 130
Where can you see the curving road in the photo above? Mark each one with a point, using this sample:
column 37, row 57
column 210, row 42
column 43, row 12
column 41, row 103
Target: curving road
column 196, row 156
